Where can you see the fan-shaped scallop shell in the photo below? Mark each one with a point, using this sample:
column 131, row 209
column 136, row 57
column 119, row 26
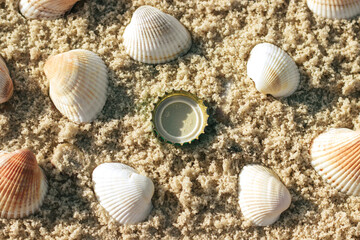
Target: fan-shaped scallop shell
column 273, row 70
column 125, row 194
column 78, row 84
column 6, row 84
column 22, row 184
column 155, row 37
column 335, row 156
column 45, row 9
column 335, row 8
column 262, row 195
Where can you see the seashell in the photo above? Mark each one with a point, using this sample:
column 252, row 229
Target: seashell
column 45, row 9
column 335, row 155
column 273, row 70
column 125, row 194
column 78, row 84
column 262, row 196
column 23, row 184
column 155, row 37
column 6, row 84
column 335, row 8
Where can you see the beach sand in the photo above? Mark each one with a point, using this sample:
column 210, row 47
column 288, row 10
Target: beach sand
column 196, row 186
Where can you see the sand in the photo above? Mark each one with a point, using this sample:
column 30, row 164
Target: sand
column 196, row 188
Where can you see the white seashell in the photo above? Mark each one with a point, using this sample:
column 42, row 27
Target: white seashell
column 155, row 37
column 335, row 8
column 125, row 194
column 335, row 156
column 273, row 70
column 262, row 196
column 45, row 9
column 23, row 184
column 6, row 84
column 78, row 84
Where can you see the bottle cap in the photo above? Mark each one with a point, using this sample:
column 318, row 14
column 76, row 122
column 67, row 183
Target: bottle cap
column 179, row 117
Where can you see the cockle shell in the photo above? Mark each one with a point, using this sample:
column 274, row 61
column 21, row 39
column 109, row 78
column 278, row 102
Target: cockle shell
column 335, row 155
column 6, row 84
column 45, row 9
column 273, row 70
column 125, row 194
column 335, row 8
column 262, row 196
column 78, row 84
column 155, row 37
column 22, row 184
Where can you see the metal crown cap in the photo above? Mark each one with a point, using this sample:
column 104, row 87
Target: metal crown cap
column 179, row 117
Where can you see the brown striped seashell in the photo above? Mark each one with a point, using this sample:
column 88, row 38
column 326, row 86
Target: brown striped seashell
column 45, row 9
column 6, row 84
column 335, row 155
column 22, row 184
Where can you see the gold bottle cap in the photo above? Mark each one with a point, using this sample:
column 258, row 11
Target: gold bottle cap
column 179, row 117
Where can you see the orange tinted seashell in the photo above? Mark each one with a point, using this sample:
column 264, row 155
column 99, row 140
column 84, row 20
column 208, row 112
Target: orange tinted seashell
column 22, row 184
column 78, row 84
column 335, row 155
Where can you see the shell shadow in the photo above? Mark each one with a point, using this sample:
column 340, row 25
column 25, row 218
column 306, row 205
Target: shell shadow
column 103, row 13
column 338, row 198
column 171, row 210
column 118, row 103
column 317, row 99
column 215, row 124
column 296, row 213
column 312, row 100
column 64, row 204
column 68, row 200
column 293, row 216
column 109, row 10
column 28, row 98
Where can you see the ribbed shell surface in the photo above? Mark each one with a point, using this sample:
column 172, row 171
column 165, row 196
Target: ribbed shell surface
column 155, row 37
column 335, row 8
column 22, row 184
column 335, row 156
column 262, row 196
column 78, row 84
column 125, row 194
column 273, row 70
column 45, row 9
column 6, row 84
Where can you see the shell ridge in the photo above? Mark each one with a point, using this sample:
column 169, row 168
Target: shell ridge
column 270, row 75
column 110, row 200
column 15, row 208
